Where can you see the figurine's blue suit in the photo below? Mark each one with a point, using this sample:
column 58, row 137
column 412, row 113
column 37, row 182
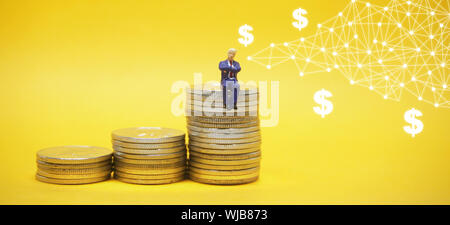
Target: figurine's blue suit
column 229, row 77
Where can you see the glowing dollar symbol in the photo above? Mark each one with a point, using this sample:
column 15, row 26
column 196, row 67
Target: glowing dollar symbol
column 248, row 37
column 326, row 106
column 301, row 21
column 416, row 125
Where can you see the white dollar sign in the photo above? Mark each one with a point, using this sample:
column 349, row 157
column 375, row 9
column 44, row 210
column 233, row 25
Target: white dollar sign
column 301, row 21
column 326, row 106
column 416, row 125
column 248, row 37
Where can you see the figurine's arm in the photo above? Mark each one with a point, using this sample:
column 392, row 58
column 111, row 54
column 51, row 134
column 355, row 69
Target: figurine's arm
column 237, row 68
column 224, row 66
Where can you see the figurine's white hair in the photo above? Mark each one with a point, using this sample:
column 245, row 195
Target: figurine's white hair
column 233, row 50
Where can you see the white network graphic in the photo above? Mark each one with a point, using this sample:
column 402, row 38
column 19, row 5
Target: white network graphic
column 388, row 49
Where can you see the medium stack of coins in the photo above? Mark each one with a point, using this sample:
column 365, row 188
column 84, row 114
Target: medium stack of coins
column 74, row 164
column 149, row 155
column 224, row 144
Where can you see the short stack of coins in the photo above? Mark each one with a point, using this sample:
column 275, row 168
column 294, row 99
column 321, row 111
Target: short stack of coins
column 224, row 143
column 149, row 155
column 74, row 164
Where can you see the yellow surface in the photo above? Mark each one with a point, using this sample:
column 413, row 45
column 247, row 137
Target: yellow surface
column 73, row 71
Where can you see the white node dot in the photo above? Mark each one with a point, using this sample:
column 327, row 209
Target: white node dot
column 272, row 45
column 371, row 87
column 285, row 44
column 356, row 36
column 436, row 105
column 444, row 86
column 331, row 29
column 369, row 52
column 408, row 14
column 336, row 66
column 386, row 77
column 268, row 66
column 384, row 43
column 352, row 82
column 413, row 78
column 350, row 23
column 368, row 4
column 441, row 25
column 292, row 56
column 420, row 98
column 402, row 84
column 307, row 59
column 431, row 36
column 411, row 32
column 359, row 65
column 391, row 49
column 375, row 41
column 432, row 53
column 346, row 45
column 301, row 74
column 385, row 96
column 399, row 25
column 379, row 24
column 380, row 61
column 443, row 65
column 340, row 14
column 408, row 2
column 334, row 53
column 433, row 89
column 319, row 25
column 432, row 13
column 249, row 58
column 429, row 72
column 322, row 49
column 386, row 8
column 405, row 65
column 328, row 69
column 418, row 49
column 353, row 1
column 302, row 39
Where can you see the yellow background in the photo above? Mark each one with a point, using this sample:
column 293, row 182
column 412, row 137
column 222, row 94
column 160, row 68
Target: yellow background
column 73, row 71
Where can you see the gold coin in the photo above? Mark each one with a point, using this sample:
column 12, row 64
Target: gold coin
column 145, row 171
column 220, row 125
column 148, row 146
column 46, row 165
column 224, row 136
column 74, row 154
column 61, row 171
column 195, row 143
column 147, row 135
column 222, row 167
column 71, row 181
column 223, row 151
column 73, row 176
column 118, row 163
column 223, row 130
column 152, row 156
column 224, row 182
column 224, row 141
column 225, row 162
column 177, row 160
column 149, row 181
column 233, row 157
column 223, row 177
column 223, row 172
column 149, row 151
column 150, row 176
column 225, row 120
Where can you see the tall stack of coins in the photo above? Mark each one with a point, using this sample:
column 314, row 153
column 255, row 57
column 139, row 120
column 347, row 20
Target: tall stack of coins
column 224, row 143
column 73, row 164
column 149, row 155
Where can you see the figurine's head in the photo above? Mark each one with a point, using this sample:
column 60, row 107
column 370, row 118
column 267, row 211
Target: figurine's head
column 231, row 53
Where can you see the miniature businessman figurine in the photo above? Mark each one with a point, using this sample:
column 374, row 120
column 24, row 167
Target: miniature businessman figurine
column 229, row 81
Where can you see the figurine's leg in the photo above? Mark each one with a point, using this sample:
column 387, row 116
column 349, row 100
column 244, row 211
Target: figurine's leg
column 224, row 95
column 236, row 88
